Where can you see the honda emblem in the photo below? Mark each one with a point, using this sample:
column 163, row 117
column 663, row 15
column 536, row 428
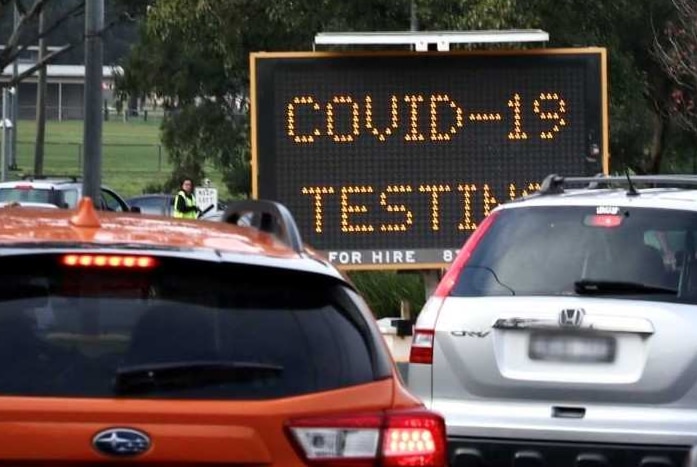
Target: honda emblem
column 571, row 317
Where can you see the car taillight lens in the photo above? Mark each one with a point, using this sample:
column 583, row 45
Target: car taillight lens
column 448, row 282
column 390, row 439
column 414, row 438
column 423, row 339
column 422, row 346
column 108, row 261
column 603, row 220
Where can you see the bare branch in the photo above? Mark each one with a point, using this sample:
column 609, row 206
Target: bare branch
column 52, row 56
column 11, row 46
column 676, row 51
column 20, row 7
column 35, row 67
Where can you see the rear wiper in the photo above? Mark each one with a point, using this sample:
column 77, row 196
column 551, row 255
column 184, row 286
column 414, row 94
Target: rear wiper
column 602, row 287
column 192, row 374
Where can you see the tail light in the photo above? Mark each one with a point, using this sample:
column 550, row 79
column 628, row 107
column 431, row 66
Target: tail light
column 422, row 346
column 390, row 439
column 603, row 220
column 108, row 261
column 448, row 282
column 422, row 341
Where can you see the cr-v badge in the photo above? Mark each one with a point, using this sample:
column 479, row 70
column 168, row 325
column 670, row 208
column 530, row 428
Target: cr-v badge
column 121, row 442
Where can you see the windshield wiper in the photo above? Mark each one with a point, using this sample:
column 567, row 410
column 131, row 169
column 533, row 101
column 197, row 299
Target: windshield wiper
column 191, row 374
column 603, row 287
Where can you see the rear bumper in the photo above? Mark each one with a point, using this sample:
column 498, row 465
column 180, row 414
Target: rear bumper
column 479, row 452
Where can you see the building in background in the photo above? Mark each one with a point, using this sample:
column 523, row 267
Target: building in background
column 65, row 88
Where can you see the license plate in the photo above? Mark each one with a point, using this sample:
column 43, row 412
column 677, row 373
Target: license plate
column 571, row 348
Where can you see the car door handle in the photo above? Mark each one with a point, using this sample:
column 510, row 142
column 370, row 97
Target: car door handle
column 614, row 324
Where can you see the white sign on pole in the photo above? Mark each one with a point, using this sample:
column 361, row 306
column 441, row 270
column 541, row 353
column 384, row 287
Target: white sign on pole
column 206, row 197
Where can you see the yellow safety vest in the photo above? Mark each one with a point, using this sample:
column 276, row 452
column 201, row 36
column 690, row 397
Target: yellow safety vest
column 190, row 202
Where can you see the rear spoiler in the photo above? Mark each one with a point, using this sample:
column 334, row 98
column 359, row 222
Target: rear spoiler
column 266, row 216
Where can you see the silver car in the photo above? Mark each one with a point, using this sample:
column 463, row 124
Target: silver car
column 61, row 191
column 565, row 332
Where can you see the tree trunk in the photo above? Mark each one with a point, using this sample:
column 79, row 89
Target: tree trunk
column 658, row 141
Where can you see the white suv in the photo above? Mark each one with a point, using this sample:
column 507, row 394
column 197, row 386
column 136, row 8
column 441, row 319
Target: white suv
column 61, row 192
column 565, row 332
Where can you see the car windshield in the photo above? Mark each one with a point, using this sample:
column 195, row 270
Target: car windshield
column 636, row 253
column 180, row 329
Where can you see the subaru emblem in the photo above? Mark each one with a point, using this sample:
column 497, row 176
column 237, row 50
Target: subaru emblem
column 571, row 317
column 121, row 442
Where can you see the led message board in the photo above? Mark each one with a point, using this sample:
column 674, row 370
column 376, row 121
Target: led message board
column 390, row 160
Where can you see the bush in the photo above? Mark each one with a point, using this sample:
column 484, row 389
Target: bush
column 384, row 290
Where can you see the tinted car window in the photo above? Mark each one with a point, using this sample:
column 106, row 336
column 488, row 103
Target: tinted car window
column 548, row 250
column 183, row 329
column 111, row 202
column 151, row 205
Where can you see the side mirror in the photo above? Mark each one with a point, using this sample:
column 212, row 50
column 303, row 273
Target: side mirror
column 135, row 209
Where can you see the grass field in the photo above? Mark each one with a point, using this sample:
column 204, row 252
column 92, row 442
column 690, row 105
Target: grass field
column 132, row 156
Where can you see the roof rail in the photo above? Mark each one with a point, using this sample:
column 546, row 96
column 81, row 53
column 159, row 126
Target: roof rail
column 555, row 184
column 73, row 178
column 267, row 216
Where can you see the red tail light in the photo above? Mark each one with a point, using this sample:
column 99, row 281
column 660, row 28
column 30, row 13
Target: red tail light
column 448, row 282
column 603, row 220
column 390, row 439
column 108, row 261
column 422, row 346
column 423, row 339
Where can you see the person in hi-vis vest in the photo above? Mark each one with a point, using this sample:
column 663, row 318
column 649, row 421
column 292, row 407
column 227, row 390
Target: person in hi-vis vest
column 185, row 202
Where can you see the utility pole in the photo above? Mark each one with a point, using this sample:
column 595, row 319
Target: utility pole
column 14, row 110
column 92, row 137
column 40, row 102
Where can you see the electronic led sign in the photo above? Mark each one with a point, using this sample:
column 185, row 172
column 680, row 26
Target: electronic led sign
column 390, row 160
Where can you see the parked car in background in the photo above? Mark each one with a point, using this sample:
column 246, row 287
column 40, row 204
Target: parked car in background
column 156, row 204
column 563, row 334
column 162, row 204
column 63, row 192
column 139, row 339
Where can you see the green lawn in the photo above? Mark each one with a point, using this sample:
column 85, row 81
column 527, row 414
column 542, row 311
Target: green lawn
column 132, row 155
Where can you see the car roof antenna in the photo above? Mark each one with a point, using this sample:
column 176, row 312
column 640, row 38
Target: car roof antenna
column 631, row 191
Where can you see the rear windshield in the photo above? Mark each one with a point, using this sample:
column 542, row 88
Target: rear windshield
column 181, row 329
column 29, row 194
column 624, row 252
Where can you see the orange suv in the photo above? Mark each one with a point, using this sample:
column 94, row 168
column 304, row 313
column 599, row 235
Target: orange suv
column 155, row 340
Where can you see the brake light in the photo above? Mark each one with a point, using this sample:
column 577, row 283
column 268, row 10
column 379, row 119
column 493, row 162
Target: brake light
column 422, row 346
column 108, row 261
column 603, row 220
column 390, row 439
column 448, row 282
column 23, row 187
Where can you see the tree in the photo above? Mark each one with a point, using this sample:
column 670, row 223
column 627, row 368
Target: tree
column 677, row 52
column 193, row 54
column 60, row 14
column 640, row 124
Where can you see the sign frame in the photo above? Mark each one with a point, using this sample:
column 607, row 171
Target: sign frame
column 257, row 170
